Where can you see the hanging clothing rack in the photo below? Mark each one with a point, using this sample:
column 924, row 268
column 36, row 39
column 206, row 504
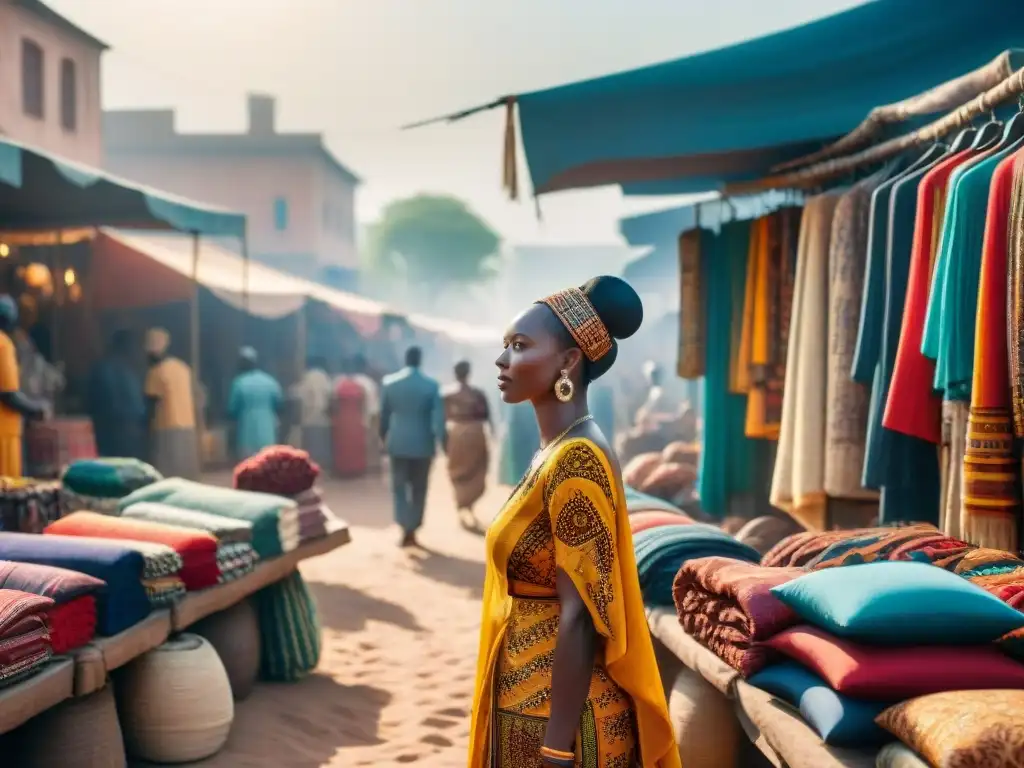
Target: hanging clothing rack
column 1010, row 88
column 941, row 98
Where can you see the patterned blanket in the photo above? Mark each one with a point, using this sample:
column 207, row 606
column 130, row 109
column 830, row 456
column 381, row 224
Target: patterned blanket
column 727, row 606
column 235, row 560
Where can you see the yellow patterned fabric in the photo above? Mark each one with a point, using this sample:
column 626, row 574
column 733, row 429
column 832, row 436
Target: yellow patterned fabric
column 569, row 513
column 961, row 729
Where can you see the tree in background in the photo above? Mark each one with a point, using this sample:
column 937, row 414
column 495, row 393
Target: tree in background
column 431, row 243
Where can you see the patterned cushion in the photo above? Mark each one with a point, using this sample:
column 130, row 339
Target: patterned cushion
column 965, row 729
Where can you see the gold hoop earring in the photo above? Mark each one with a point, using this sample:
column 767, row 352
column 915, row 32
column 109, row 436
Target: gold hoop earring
column 564, row 388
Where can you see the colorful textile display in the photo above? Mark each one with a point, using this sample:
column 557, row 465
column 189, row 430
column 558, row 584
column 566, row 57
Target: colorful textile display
column 899, row 604
column 973, row 729
column 893, row 674
column 727, row 605
column 841, row 721
column 110, row 478
column 122, row 604
column 278, row 469
column 24, row 636
column 289, row 630
column 661, row 551
column 198, row 549
column 871, row 546
column 72, row 619
column 225, row 529
column 275, row 525
column 27, row 505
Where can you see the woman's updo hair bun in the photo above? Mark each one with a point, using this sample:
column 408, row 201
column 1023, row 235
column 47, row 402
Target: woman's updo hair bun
column 621, row 311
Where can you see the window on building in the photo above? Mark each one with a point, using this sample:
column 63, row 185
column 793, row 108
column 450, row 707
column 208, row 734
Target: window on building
column 280, row 214
column 68, row 95
column 32, row 92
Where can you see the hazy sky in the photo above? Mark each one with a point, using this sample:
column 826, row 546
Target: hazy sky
column 358, row 69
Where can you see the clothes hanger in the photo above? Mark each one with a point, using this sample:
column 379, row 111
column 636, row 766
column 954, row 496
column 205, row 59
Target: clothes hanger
column 963, row 139
column 1014, row 130
column 988, row 135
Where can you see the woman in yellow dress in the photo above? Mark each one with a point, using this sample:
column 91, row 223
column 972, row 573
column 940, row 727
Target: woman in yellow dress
column 566, row 676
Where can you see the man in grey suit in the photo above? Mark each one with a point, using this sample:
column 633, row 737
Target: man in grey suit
column 411, row 426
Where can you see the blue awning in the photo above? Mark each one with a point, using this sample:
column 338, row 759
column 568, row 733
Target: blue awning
column 730, row 114
column 39, row 191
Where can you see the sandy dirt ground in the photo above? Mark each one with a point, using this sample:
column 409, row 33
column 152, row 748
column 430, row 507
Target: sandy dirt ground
column 400, row 643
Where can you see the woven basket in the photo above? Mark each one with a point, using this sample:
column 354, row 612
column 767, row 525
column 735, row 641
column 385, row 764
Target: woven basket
column 175, row 702
column 235, row 635
column 80, row 733
column 707, row 731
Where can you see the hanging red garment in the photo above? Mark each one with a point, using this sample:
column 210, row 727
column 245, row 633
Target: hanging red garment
column 991, row 494
column 914, row 408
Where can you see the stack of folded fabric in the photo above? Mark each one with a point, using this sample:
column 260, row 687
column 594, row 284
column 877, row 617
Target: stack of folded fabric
column 878, row 634
column 235, row 555
column 122, row 604
column 197, row 549
column 883, row 544
column 637, row 501
column 28, row 505
column 312, row 522
column 661, row 552
column 801, row 549
column 274, row 519
column 24, row 637
column 727, row 606
column 72, row 619
column 98, row 484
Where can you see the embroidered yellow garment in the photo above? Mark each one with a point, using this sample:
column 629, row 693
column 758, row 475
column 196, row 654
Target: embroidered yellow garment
column 569, row 513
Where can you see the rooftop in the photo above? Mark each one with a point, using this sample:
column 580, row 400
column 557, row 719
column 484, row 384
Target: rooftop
column 147, row 131
column 46, row 13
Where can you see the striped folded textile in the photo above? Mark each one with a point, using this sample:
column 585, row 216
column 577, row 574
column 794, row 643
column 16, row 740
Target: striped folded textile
column 290, row 631
column 274, row 518
column 198, row 549
column 235, row 561
column 225, row 529
column 164, row 590
column 24, row 634
column 158, row 560
column 312, row 522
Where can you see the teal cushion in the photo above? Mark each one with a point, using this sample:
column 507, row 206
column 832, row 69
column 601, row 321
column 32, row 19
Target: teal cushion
column 899, row 603
column 839, row 720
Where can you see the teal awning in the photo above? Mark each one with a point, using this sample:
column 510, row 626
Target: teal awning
column 41, row 192
column 730, row 114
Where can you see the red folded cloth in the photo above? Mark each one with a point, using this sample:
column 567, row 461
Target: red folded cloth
column 24, row 634
column 198, row 549
column 72, row 624
column 727, row 606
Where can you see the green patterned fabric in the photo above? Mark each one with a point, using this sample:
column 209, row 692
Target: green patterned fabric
column 108, row 478
column 289, row 630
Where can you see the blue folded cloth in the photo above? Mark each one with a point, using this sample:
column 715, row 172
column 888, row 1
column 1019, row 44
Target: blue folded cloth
column 122, row 604
column 661, row 552
column 638, row 501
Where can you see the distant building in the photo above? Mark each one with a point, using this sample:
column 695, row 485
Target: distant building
column 50, row 82
column 299, row 199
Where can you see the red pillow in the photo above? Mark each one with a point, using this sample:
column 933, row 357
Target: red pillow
column 893, row 673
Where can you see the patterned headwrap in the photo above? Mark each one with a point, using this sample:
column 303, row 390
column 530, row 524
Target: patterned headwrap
column 577, row 314
column 8, row 309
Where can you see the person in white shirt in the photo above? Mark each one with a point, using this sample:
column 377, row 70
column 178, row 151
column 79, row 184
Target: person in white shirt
column 314, row 392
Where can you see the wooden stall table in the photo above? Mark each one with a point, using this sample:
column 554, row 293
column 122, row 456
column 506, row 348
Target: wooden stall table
column 95, row 660
column 774, row 727
column 47, row 688
column 198, row 605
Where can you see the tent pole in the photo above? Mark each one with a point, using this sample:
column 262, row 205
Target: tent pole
column 245, row 285
column 193, row 352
